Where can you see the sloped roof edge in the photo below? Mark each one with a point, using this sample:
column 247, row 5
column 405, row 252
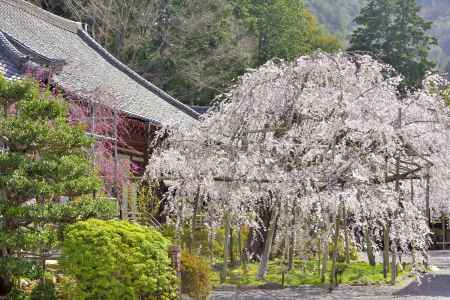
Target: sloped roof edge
column 135, row 76
column 77, row 28
column 31, row 54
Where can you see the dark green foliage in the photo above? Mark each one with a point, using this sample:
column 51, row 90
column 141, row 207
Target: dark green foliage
column 44, row 291
column 392, row 31
column 116, row 260
column 197, row 53
column 44, row 158
column 195, row 274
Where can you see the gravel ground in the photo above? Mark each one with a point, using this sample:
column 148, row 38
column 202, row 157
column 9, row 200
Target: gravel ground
column 434, row 286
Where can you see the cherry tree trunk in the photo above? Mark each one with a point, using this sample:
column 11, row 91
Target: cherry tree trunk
column 264, row 263
column 368, row 240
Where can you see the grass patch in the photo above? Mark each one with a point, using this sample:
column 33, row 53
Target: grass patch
column 307, row 273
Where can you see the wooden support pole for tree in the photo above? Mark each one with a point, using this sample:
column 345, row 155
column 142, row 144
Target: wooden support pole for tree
column 397, row 189
column 175, row 257
column 385, row 250
column 239, row 246
column 335, row 250
column 427, row 195
column 226, row 248
column 386, row 228
column 292, row 242
column 194, row 218
column 116, row 165
column 346, row 234
column 231, row 245
column 92, row 121
column 444, row 230
column 323, row 270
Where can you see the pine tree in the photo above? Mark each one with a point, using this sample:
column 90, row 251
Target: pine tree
column 392, row 31
column 43, row 157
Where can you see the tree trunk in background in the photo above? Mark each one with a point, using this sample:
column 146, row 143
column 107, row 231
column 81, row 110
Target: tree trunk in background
column 6, row 284
column 385, row 250
column 263, row 266
column 370, row 254
column 256, row 240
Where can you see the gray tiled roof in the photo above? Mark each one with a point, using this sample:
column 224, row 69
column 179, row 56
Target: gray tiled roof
column 87, row 65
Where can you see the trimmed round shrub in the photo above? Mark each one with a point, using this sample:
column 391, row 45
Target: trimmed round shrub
column 195, row 273
column 116, row 260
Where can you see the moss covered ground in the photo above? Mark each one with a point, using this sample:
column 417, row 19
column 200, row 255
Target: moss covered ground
column 307, row 273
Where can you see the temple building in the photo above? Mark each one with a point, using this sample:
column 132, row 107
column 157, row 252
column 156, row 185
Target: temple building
column 63, row 53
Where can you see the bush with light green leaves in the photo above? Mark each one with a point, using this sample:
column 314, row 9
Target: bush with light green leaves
column 116, row 260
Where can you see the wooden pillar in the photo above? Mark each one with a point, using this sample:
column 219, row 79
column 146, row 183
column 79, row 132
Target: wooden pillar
column 92, row 121
column 175, row 258
column 116, row 165
column 444, row 231
column 147, row 149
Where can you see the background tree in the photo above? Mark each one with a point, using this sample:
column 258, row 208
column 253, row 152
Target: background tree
column 195, row 49
column 392, row 30
column 284, row 29
column 43, row 158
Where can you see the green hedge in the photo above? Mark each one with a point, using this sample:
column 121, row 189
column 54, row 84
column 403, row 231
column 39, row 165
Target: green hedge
column 116, row 260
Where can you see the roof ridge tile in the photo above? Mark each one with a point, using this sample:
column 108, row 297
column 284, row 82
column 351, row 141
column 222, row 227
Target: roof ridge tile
column 48, row 17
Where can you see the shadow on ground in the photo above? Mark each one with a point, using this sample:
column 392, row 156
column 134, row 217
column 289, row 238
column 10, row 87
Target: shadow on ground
column 432, row 285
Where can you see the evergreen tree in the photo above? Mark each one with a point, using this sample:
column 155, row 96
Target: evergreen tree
column 43, row 157
column 392, row 31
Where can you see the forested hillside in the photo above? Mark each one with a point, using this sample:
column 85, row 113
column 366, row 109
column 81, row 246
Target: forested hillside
column 195, row 49
column 338, row 16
